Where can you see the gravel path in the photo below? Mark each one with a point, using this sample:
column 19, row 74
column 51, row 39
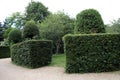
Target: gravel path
column 8, row 71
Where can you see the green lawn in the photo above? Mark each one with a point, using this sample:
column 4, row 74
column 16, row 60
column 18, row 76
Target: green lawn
column 58, row 60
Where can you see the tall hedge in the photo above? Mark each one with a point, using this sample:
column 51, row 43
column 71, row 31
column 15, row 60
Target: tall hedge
column 89, row 21
column 32, row 54
column 4, row 52
column 92, row 53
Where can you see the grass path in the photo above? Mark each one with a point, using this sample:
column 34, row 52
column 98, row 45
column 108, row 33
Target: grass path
column 58, row 60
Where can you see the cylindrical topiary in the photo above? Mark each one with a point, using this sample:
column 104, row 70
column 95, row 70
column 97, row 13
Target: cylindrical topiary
column 30, row 30
column 89, row 21
column 15, row 36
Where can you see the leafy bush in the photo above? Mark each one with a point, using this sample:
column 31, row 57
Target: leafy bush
column 92, row 53
column 15, row 36
column 32, row 54
column 30, row 30
column 4, row 52
column 89, row 21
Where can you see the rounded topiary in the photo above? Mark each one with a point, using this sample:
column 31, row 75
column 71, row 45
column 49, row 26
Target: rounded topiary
column 89, row 21
column 15, row 36
column 30, row 30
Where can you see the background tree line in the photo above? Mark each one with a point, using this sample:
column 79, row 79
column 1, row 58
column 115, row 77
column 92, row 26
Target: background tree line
column 39, row 23
column 49, row 26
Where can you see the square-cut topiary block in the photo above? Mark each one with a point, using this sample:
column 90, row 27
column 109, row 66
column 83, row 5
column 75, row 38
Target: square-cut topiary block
column 32, row 54
column 92, row 52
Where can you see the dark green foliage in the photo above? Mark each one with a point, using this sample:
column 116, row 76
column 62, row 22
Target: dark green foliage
column 92, row 53
column 1, row 31
column 30, row 30
column 89, row 21
column 15, row 36
column 32, row 54
column 4, row 52
column 36, row 11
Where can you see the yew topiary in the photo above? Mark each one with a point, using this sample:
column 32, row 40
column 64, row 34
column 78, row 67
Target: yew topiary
column 89, row 21
column 30, row 30
column 15, row 36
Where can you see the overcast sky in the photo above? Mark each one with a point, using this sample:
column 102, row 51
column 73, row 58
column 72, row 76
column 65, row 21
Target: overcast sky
column 109, row 9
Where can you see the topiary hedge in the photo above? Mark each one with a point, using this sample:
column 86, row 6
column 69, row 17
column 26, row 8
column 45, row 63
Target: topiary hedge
column 92, row 52
column 89, row 21
column 30, row 29
column 4, row 52
column 32, row 54
column 15, row 36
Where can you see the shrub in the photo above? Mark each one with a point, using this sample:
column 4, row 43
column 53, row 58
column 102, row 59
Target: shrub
column 30, row 30
column 15, row 36
column 32, row 54
column 4, row 52
column 89, row 21
column 92, row 53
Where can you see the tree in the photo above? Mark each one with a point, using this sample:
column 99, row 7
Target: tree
column 36, row 11
column 15, row 36
column 89, row 21
column 54, row 27
column 115, row 26
column 6, row 32
column 16, row 20
column 30, row 29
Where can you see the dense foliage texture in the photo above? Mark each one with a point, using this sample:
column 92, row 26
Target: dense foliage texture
column 89, row 21
column 54, row 27
column 4, row 52
column 30, row 30
column 15, row 36
column 32, row 54
column 92, row 53
column 36, row 11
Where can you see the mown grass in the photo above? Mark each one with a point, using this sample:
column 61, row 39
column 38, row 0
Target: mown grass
column 58, row 60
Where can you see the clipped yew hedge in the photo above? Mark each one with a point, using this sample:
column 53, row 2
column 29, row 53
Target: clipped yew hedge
column 32, row 54
column 92, row 52
column 89, row 21
column 4, row 52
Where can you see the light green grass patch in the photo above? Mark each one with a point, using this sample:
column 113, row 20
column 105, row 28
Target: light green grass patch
column 58, row 60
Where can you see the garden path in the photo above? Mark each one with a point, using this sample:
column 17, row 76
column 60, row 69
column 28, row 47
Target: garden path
column 9, row 71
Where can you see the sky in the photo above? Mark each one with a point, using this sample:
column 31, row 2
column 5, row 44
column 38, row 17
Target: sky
column 109, row 9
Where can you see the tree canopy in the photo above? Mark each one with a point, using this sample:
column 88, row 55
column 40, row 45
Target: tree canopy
column 55, row 26
column 16, row 20
column 36, row 11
